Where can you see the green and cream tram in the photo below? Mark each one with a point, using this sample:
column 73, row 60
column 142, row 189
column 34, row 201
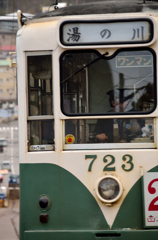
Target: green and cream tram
column 88, row 120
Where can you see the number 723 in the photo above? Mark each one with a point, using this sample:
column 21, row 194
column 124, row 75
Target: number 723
column 128, row 166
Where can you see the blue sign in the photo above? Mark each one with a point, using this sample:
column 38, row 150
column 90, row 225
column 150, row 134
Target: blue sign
column 2, row 196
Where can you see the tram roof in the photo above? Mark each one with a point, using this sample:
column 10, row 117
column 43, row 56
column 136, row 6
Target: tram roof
column 103, row 7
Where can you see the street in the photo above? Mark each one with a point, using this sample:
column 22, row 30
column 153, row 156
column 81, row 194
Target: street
column 9, row 131
column 9, row 214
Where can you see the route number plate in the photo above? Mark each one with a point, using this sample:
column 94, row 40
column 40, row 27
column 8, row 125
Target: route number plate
column 151, row 199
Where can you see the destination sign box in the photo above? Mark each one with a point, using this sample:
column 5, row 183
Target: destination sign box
column 114, row 32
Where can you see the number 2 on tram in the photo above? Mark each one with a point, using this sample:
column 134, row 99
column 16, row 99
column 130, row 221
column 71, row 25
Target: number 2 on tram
column 88, row 119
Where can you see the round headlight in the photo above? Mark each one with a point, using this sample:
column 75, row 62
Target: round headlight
column 109, row 189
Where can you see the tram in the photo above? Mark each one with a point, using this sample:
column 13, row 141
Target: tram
column 88, row 120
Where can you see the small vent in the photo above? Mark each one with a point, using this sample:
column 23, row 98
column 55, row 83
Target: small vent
column 104, row 235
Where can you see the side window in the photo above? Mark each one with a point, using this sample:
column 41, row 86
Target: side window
column 40, row 103
column 112, row 130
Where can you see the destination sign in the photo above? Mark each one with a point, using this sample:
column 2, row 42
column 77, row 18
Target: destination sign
column 114, row 32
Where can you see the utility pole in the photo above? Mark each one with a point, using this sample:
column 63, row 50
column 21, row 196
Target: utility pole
column 7, row 4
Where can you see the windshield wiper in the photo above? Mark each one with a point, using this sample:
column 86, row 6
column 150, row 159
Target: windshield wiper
column 85, row 67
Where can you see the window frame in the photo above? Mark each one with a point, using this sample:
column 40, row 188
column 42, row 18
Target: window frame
column 37, row 117
column 110, row 146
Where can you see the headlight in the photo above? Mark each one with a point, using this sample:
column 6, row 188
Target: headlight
column 109, row 189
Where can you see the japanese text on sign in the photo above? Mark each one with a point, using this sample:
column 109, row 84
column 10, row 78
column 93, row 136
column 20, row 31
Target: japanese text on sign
column 134, row 61
column 107, row 32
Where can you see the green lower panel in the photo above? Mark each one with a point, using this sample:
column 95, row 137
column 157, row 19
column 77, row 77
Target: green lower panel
column 92, row 235
column 73, row 207
column 74, row 213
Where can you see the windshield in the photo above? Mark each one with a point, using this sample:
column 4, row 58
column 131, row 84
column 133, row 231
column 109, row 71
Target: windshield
column 123, row 83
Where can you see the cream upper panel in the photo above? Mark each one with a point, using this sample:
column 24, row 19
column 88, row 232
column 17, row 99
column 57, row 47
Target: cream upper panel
column 46, row 31
column 38, row 36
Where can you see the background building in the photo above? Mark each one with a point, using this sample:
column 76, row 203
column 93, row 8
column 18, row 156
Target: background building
column 8, row 91
column 8, row 81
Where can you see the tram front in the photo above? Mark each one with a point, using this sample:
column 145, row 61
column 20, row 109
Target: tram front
column 90, row 148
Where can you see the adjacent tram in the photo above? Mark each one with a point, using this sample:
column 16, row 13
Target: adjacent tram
column 88, row 120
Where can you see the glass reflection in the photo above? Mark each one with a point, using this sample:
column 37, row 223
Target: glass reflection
column 41, row 132
column 40, row 85
column 124, row 83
